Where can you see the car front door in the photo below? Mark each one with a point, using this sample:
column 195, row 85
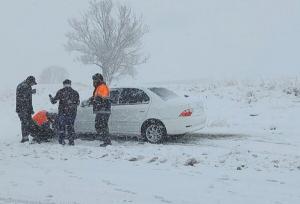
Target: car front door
column 113, row 119
column 131, row 110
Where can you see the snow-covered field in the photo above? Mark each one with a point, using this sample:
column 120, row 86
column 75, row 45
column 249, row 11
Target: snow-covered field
column 248, row 153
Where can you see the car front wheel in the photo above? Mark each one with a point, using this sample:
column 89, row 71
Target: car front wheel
column 154, row 132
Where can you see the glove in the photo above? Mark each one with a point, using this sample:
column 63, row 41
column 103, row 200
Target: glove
column 51, row 98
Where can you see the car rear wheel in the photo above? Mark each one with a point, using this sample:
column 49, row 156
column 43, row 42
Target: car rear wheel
column 154, row 132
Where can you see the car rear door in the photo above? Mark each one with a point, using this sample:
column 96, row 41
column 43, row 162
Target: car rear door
column 85, row 119
column 131, row 110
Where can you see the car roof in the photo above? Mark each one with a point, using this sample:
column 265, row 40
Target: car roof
column 130, row 87
column 137, row 87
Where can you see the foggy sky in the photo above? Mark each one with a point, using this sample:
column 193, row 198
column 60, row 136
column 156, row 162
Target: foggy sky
column 188, row 39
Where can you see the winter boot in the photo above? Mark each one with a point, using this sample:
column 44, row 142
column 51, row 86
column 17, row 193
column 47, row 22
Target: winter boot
column 25, row 139
column 71, row 142
column 61, row 141
column 36, row 140
column 106, row 143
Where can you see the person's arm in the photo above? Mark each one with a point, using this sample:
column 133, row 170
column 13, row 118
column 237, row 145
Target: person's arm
column 77, row 99
column 18, row 103
column 31, row 107
column 29, row 98
column 90, row 101
column 54, row 99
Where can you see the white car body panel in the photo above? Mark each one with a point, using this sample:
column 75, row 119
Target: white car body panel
column 128, row 119
column 169, row 113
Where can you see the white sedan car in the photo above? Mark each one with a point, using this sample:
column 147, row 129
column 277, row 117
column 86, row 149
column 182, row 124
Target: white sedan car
column 150, row 113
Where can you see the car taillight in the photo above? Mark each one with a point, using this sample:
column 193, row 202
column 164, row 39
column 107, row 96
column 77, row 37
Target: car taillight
column 186, row 113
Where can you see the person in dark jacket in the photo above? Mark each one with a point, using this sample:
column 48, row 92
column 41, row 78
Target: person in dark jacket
column 67, row 110
column 101, row 107
column 24, row 105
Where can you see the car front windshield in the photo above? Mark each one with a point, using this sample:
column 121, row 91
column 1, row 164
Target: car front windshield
column 164, row 93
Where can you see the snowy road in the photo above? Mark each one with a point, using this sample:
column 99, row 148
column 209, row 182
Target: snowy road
column 228, row 169
column 249, row 153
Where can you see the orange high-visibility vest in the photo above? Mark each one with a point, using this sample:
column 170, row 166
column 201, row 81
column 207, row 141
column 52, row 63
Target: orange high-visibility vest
column 102, row 91
column 40, row 117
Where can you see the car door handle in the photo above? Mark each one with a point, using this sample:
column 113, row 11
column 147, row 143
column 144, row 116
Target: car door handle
column 142, row 111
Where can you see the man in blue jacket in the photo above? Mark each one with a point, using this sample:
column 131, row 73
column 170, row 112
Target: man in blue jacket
column 67, row 110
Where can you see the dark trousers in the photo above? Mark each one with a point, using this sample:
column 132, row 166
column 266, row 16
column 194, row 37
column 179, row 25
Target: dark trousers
column 101, row 126
column 26, row 124
column 66, row 127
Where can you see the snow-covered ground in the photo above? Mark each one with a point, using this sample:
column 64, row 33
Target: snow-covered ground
column 248, row 153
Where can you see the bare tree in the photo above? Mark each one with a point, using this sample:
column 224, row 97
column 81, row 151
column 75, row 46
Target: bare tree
column 110, row 37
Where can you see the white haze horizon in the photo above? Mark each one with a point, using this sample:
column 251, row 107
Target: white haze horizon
column 187, row 39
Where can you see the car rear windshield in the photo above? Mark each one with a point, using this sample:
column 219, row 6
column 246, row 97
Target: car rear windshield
column 164, row 93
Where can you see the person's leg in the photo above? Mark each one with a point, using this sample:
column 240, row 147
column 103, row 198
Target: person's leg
column 106, row 137
column 102, row 128
column 49, row 132
column 71, row 130
column 45, row 132
column 36, row 132
column 61, row 129
column 99, row 125
column 25, row 127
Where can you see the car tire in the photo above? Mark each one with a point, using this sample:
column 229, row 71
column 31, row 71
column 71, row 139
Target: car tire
column 154, row 131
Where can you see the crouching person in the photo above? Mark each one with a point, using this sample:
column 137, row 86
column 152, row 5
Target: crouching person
column 67, row 110
column 41, row 130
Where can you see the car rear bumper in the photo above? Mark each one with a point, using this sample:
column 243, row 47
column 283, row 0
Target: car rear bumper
column 183, row 125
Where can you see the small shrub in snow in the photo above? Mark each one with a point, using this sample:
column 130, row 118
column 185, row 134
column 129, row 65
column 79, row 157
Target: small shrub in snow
column 296, row 91
column 153, row 159
column 250, row 97
column 133, row 159
column 191, row 162
column 292, row 91
column 241, row 167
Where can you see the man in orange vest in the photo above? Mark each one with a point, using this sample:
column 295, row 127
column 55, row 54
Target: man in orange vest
column 102, row 108
column 41, row 130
